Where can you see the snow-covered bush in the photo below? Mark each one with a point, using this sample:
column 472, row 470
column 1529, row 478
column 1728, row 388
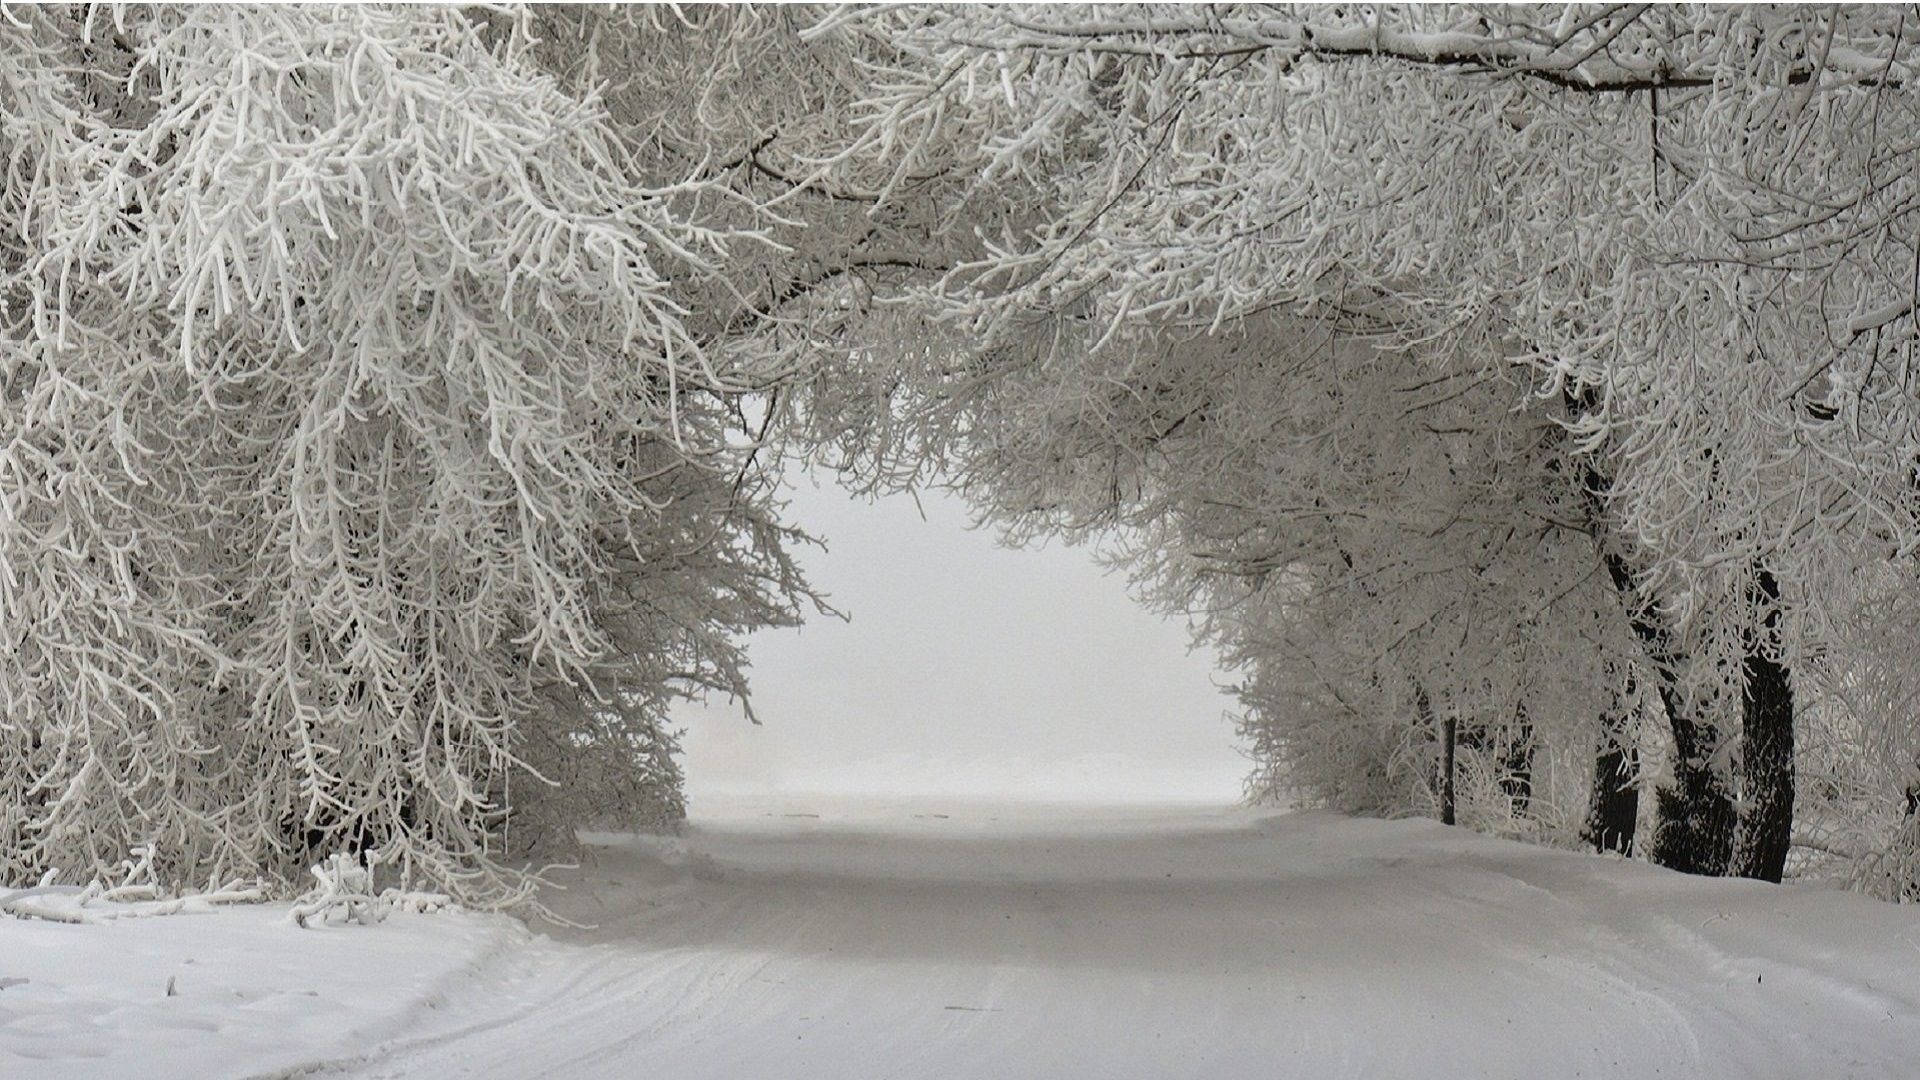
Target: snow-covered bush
column 346, row 885
column 132, row 890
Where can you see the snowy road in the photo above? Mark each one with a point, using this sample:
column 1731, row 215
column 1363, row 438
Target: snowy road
column 1170, row 943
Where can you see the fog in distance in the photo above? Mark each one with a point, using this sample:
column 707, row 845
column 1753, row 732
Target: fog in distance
column 967, row 670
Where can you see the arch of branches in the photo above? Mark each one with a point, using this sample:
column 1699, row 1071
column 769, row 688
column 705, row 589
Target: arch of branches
column 1521, row 397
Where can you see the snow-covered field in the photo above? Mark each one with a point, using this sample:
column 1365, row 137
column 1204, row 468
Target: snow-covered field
column 949, row 941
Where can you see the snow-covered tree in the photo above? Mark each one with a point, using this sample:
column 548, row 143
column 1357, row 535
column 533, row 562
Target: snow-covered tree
column 1687, row 226
column 364, row 457
column 388, row 394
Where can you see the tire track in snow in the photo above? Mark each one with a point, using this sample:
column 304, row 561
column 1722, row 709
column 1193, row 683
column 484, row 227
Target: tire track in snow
column 1205, row 946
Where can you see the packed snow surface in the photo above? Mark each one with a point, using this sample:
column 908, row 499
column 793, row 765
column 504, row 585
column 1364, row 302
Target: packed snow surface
column 813, row 938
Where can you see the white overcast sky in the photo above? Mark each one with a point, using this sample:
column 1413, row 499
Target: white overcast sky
column 967, row 670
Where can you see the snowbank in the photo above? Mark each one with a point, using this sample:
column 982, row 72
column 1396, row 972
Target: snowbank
column 229, row 992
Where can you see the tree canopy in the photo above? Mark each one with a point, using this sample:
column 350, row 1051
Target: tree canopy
column 391, row 397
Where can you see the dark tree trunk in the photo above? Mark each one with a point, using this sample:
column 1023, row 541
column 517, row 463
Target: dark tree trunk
column 1446, row 731
column 1766, row 752
column 1516, row 762
column 1697, row 818
column 1696, row 828
column 1614, row 812
column 1695, row 831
